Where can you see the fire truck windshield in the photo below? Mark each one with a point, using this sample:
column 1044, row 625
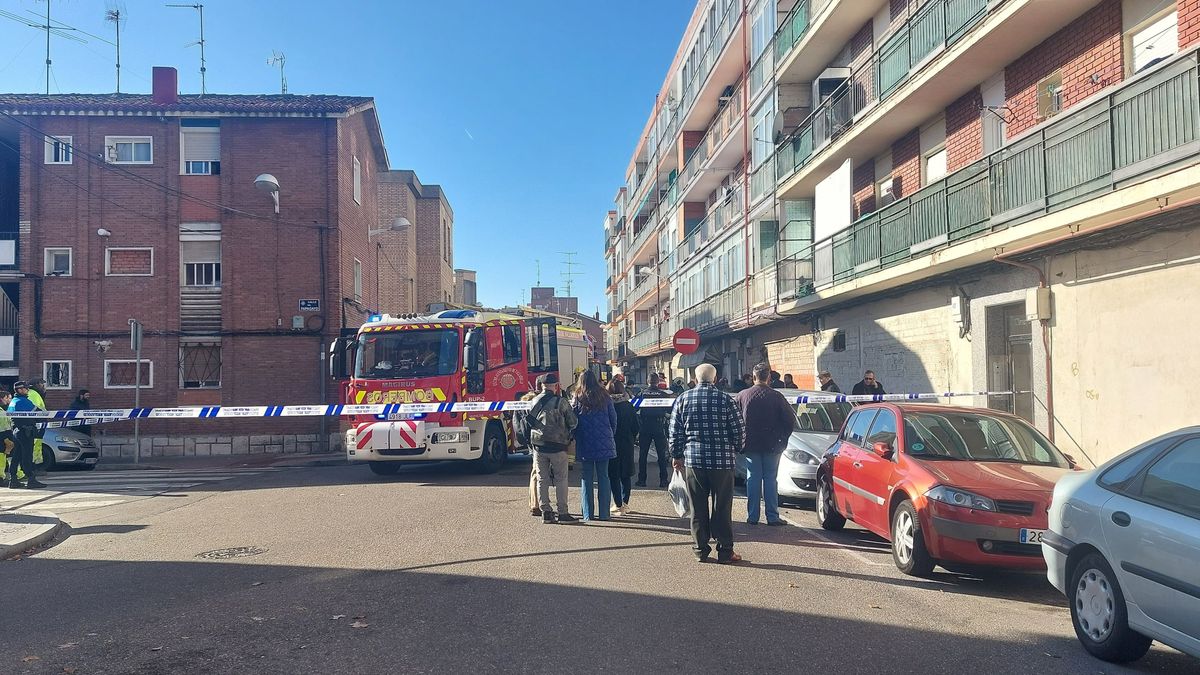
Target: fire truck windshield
column 407, row 354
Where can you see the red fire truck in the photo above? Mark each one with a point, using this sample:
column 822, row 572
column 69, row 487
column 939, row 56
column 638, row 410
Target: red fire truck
column 448, row 357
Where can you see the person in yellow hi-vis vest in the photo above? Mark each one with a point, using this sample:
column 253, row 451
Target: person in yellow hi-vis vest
column 7, row 440
column 27, row 430
column 37, row 389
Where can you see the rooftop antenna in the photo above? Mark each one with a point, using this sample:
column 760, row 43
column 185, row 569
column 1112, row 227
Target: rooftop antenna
column 50, row 28
column 568, row 275
column 538, row 264
column 200, row 8
column 278, row 59
column 115, row 16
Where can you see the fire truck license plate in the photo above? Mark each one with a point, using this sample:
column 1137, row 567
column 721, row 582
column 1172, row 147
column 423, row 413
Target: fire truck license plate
column 396, row 417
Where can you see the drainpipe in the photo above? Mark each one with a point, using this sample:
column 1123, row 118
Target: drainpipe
column 1045, row 339
column 746, row 170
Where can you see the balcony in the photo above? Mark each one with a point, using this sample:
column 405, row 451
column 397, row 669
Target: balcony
column 936, row 25
column 946, row 48
column 716, row 312
column 642, row 290
column 9, row 245
column 814, row 32
column 1145, row 128
column 713, row 225
column 717, row 147
column 711, row 70
column 650, row 340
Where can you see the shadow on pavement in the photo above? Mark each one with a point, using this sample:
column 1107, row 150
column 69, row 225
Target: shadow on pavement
column 106, row 529
column 237, row 616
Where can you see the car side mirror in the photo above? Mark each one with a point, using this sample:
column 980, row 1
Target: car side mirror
column 1071, row 460
column 883, row 449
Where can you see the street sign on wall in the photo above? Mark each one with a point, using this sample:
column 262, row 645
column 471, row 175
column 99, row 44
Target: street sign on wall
column 686, row 341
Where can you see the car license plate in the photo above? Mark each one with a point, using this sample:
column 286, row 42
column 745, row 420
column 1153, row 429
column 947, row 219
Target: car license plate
column 395, row 417
column 1031, row 536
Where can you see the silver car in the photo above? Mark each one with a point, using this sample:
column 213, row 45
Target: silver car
column 1124, row 547
column 67, row 447
column 817, row 427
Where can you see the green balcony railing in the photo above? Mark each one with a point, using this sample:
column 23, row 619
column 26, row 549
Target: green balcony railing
column 937, row 24
column 1146, row 125
column 793, row 28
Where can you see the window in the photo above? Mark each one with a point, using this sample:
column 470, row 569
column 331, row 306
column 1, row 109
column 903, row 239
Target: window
column 1174, row 481
column 200, row 365
column 822, row 417
column 839, row 341
column 200, row 147
column 1049, row 95
column 994, row 113
column 123, row 374
column 446, row 246
column 883, row 429
column 1119, row 475
column 129, row 149
column 200, row 254
column 1153, row 39
column 59, row 150
column 57, row 374
column 503, row 345
column 358, row 280
column 933, row 151
column 58, row 262
column 856, row 428
column 357, row 181
column 129, row 262
column 934, row 167
column 978, row 438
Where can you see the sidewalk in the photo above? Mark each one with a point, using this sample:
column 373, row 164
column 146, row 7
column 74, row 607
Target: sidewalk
column 222, row 462
column 20, row 532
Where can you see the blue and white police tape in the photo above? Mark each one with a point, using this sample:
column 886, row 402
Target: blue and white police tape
column 73, row 418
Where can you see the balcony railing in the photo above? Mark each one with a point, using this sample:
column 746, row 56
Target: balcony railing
column 715, row 312
column 762, row 71
column 648, row 283
column 649, row 340
column 713, row 224
column 1141, row 127
column 716, row 45
column 717, row 133
column 762, row 180
column 795, row 26
column 939, row 23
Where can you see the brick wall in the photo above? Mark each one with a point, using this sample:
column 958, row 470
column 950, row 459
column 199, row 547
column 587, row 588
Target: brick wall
column 906, row 163
column 864, row 189
column 1189, row 22
column 1088, row 49
column 397, row 198
column 130, row 261
column 964, row 130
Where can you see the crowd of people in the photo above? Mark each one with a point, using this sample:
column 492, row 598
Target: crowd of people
column 700, row 436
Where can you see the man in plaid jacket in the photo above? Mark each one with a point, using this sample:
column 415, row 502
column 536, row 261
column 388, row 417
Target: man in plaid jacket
column 707, row 433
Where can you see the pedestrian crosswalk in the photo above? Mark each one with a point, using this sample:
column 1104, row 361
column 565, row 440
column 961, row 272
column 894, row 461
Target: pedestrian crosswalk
column 73, row 491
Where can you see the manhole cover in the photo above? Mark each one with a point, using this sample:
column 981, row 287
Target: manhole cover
column 236, row 552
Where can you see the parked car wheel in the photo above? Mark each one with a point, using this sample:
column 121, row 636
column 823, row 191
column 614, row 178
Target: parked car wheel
column 384, row 468
column 1099, row 615
column 827, row 513
column 49, row 462
column 908, row 542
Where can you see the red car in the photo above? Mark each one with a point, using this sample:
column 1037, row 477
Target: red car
column 946, row 485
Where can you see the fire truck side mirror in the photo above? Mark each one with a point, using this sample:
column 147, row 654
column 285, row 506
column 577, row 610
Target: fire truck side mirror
column 473, row 360
column 339, row 358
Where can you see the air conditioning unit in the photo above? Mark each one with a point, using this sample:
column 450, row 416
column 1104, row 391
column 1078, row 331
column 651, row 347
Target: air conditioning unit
column 828, row 82
column 887, row 192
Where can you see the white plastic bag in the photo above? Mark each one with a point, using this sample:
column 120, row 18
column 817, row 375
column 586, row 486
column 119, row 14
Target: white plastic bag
column 679, row 495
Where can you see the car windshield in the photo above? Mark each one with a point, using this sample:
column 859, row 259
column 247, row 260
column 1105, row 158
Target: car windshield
column 825, row 418
column 977, row 437
column 405, row 354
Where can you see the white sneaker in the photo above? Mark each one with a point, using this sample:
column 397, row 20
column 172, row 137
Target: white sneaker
column 625, row 510
column 615, row 510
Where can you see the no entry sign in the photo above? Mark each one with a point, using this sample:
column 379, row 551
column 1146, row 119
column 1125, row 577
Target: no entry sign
column 686, row 341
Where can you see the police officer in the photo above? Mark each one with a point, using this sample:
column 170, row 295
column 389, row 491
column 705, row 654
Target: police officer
column 653, row 429
column 27, row 431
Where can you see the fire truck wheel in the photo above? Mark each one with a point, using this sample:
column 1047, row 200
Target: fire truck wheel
column 384, row 468
column 494, row 451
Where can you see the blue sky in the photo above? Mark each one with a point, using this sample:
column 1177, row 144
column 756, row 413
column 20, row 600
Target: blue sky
column 525, row 111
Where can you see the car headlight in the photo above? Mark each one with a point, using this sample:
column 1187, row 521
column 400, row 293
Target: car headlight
column 962, row 498
column 452, row 437
column 801, row 457
column 67, row 440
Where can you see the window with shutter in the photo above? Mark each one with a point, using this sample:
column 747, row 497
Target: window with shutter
column 200, row 147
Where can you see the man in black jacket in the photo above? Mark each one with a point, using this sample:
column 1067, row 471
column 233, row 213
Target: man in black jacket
column 769, row 422
column 868, row 385
column 653, row 430
column 827, row 383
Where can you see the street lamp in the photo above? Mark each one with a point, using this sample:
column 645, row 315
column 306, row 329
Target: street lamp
column 267, row 183
column 397, row 225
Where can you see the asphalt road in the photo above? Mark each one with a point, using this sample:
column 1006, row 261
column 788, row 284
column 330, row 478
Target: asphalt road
column 440, row 570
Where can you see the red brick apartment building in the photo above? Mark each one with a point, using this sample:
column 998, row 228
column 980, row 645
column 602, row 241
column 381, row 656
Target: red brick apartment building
column 132, row 206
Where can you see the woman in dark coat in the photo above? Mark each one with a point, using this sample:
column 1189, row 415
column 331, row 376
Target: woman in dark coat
column 621, row 469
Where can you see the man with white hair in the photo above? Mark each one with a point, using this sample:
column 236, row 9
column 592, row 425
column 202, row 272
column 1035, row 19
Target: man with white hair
column 706, row 433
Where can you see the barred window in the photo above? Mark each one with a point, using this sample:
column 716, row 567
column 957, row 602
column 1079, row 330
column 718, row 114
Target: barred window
column 122, row 374
column 200, row 365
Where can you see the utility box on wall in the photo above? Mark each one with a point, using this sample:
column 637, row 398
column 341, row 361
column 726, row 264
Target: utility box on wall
column 1037, row 304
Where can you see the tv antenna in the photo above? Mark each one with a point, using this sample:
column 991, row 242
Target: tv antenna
column 568, row 274
column 279, row 59
column 115, row 16
column 60, row 30
column 200, row 8
column 538, row 264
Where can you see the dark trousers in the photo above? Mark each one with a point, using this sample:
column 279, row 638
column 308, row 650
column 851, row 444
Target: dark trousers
column 621, row 485
column 717, row 484
column 656, row 433
column 22, row 456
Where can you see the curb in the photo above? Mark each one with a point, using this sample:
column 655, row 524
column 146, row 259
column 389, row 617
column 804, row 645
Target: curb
column 41, row 527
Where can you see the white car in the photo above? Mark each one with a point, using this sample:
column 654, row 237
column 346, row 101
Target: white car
column 67, row 447
column 817, row 427
column 1124, row 547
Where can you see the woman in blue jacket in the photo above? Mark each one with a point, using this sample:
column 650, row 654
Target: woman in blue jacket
column 594, row 443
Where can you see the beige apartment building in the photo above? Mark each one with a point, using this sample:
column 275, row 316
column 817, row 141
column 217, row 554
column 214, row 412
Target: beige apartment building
column 962, row 195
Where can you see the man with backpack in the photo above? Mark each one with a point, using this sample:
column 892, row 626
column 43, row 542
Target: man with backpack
column 550, row 425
